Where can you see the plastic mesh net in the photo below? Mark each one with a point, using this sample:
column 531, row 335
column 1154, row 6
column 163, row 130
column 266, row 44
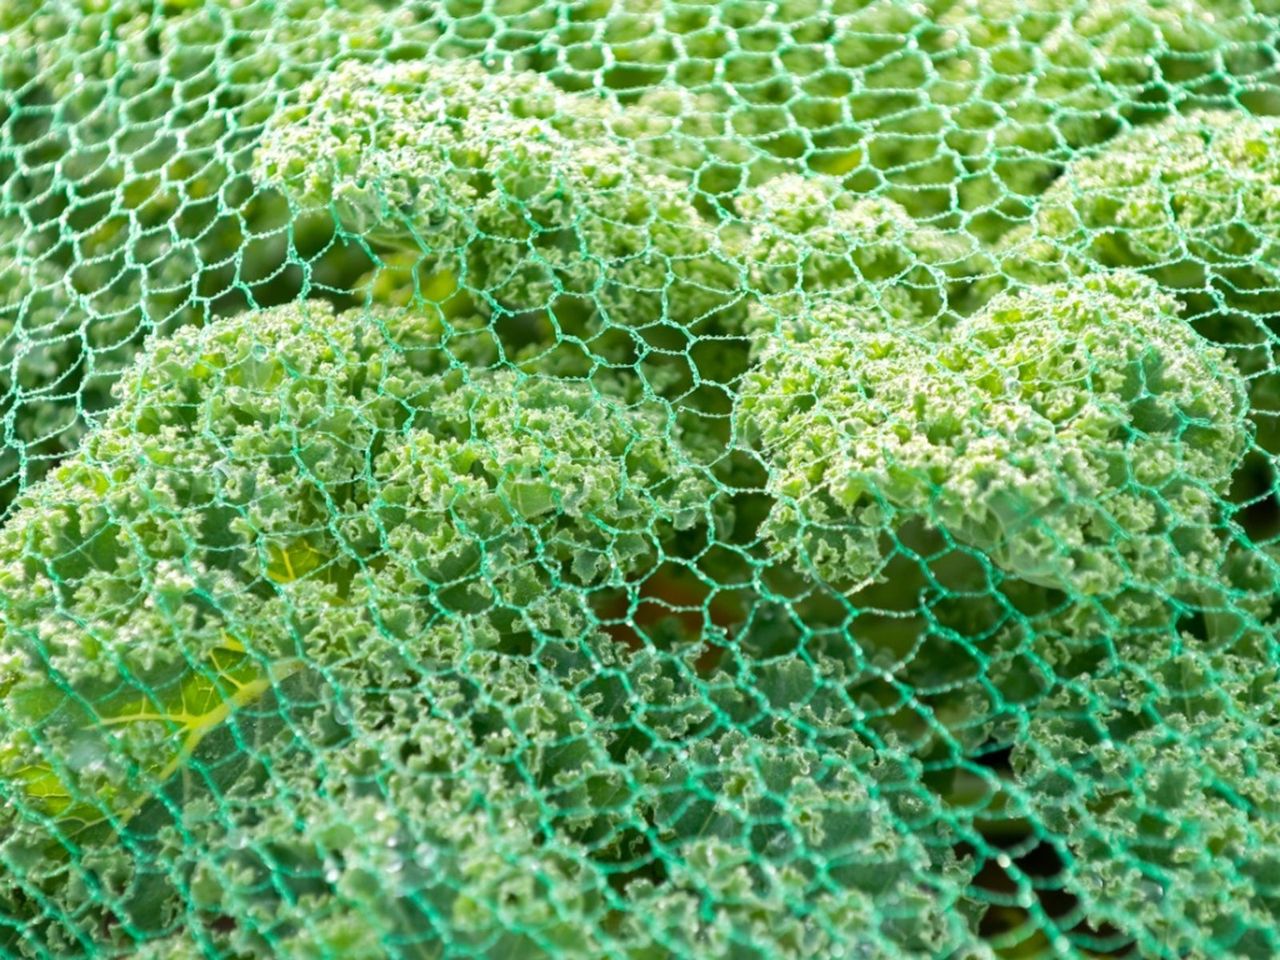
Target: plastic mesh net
column 654, row 479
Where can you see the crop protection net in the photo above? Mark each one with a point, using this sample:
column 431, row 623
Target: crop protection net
column 642, row 479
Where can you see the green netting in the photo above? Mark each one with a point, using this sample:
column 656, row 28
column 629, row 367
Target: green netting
column 500, row 479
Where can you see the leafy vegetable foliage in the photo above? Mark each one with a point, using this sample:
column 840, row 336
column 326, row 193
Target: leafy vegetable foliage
column 641, row 480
